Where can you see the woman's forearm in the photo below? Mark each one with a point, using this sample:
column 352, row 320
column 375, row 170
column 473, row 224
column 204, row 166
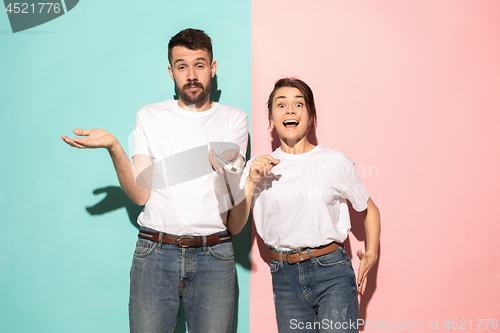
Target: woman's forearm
column 238, row 215
column 372, row 228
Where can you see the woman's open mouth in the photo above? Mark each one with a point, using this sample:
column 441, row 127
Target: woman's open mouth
column 290, row 123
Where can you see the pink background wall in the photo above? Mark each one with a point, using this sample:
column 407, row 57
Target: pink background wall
column 410, row 91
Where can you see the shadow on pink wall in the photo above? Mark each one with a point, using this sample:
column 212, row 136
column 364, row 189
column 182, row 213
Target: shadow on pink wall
column 358, row 230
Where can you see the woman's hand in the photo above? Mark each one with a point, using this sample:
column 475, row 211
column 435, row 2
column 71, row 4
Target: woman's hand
column 366, row 262
column 261, row 167
column 368, row 259
column 93, row 138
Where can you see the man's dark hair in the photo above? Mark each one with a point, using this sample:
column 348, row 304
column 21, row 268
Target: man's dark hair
column 192, row 39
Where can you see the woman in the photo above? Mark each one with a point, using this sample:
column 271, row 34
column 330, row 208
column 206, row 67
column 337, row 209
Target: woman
column 298, row 195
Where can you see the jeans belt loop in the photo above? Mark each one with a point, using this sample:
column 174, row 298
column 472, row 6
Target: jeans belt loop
column 160, row 240
column 287, row 259
column 281, row 258
column 204, row 243
column 310, row 255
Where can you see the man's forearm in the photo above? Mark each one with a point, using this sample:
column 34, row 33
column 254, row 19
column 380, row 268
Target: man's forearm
column 124, row 170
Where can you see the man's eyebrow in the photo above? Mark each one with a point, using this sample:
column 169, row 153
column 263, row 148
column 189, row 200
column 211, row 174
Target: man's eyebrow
column 197, row 59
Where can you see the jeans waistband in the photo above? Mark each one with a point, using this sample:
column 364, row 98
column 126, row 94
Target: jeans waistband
column 300, row 250
column 223, row 233
column 293, row 257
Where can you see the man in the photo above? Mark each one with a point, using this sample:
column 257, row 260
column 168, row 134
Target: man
column 184, row 250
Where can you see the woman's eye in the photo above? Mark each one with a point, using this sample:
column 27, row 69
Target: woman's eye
column 299, row 105
column 281, row 105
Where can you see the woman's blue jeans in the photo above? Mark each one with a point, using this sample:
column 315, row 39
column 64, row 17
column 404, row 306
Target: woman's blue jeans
column 163, row 274
column 316, row 295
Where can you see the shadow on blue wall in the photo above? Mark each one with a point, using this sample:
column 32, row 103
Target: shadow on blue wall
column 115, row 199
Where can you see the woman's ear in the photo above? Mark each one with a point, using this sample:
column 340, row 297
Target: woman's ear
column 311, row 121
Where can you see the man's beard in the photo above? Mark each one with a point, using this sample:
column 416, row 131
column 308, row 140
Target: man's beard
column 190, row 98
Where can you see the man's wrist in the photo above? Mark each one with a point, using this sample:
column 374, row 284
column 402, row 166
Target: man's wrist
column 115, row 147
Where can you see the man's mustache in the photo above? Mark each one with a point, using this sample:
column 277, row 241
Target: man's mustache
column 193, row 84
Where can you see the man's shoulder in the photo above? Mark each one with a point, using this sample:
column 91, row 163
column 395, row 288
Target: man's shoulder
column 230, row 110
column 156, row 110
column 159, row 106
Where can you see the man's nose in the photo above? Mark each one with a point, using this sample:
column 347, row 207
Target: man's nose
column 192, row 75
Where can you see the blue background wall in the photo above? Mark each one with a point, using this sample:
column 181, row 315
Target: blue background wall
column 65, row 251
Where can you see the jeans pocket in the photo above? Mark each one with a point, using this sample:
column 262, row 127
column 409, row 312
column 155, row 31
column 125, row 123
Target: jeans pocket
column 331, row 259
column 144, row 248
column 222, row 251
column 274, row 266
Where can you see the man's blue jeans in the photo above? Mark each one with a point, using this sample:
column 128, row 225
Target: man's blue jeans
column 316, row 295
column 163, row 274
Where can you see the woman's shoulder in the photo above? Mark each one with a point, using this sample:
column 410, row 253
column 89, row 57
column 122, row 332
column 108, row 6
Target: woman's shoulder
column 334, row 155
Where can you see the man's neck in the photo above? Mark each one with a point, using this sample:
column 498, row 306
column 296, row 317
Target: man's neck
column 198, row 107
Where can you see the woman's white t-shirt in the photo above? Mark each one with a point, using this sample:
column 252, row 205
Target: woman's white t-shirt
column 302, row 203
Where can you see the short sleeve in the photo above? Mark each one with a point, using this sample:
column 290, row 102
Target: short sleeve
column 141, row 143
column 238, row 133
column 355, row 191
column 243, row 179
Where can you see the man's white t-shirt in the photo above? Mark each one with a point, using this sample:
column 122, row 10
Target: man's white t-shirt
column 302, row 204
column 183, row 200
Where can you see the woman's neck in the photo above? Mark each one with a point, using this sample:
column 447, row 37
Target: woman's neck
column 300, row 147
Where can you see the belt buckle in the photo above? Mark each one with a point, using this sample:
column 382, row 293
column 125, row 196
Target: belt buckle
column 301, row 258
column 179, row 240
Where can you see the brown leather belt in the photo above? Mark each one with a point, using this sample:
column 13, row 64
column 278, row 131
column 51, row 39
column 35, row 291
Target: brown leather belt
column 185, row 241
column 295, row 257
